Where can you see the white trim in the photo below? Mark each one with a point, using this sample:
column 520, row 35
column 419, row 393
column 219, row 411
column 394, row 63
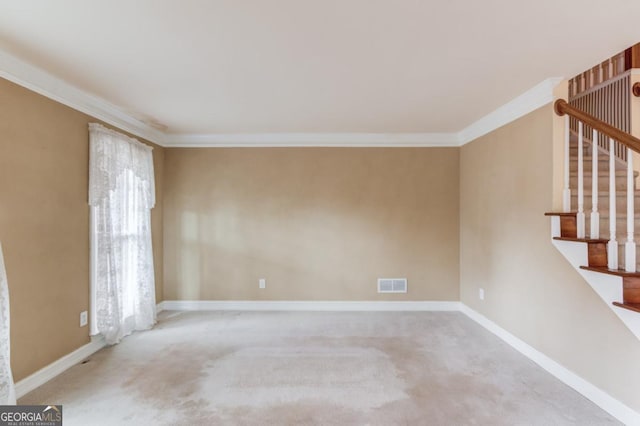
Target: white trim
column 534, row 98
column 52, row 370
column 282, row 305
column 529, row 101
column 40, row 81
column 605, row 401
column 257, row 140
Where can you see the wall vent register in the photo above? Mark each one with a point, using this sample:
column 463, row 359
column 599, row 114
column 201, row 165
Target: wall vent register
column 392, row 285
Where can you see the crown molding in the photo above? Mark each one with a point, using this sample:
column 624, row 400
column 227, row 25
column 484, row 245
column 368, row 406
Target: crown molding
column 253, row 140
column 534, row 98
column 40, row 81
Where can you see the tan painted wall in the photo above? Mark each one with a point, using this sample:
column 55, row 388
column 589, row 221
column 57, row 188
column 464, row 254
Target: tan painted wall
column 317, row 223
column 531, row 290
column 44, row 224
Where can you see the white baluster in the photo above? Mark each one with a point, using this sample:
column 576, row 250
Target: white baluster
column 566, row 192
column 630, row 245
column 580, row 216
column 595, row 215
column 612, row 245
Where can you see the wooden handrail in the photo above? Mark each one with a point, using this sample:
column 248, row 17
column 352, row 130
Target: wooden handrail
column 562, row 107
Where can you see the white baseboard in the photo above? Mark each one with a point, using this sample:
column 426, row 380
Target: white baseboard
column 277, row 305
column 605, row 401
column 52, row 370
column 602, row 399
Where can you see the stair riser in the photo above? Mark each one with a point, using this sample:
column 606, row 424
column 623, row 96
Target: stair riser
column 621, row 224
column 603, row 174
column 603, row 158
column 573, row 155
column 573, row 149
column 603, row 163
column 621, row 239
column 603, row 184
column 603, row 171
column 631, row 290
column 603, row 203
column 602, row 166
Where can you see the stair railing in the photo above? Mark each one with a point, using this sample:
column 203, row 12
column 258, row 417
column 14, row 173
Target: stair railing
column 613, row 135
column 604, row 92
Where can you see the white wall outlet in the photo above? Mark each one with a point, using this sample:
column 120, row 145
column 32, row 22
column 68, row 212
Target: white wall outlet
column 481, row 294
column 83, row 318
column 262, row 283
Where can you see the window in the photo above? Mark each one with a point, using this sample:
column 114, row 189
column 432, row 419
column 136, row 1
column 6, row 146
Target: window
column 121, row 195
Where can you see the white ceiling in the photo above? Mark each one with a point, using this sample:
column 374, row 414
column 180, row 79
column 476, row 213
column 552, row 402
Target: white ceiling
column 302, row 66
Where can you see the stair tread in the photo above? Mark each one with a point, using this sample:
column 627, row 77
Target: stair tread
column 582, row 240
column 631, row 306
column 605, row 270
column 561, row 214
column 621, row 239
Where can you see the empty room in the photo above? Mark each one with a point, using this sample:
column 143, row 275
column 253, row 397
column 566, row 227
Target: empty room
column 289, row 212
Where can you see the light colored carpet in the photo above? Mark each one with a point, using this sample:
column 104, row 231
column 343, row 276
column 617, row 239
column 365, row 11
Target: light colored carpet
column 306, row 368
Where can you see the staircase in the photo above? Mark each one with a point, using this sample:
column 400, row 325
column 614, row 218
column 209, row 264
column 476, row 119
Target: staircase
column 603, row 195
column 592, row 254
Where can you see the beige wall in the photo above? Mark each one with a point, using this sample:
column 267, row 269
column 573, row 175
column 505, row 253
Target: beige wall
column 44, row 225
column 530, row 289
column 317, row 223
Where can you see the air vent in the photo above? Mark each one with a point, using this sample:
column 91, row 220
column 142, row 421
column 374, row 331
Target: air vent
column 392, row 285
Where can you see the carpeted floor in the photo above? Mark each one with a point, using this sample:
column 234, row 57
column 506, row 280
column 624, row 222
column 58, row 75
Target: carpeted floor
column 307, row 368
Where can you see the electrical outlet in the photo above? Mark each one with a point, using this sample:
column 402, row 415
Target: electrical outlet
column 262, row 283
column 83, row 318
column 481, row 294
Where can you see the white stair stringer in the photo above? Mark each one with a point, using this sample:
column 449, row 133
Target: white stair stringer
column 608, row 287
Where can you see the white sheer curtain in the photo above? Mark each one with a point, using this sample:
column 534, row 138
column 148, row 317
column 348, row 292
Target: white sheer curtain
column 7, row 390
column 121, row 193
